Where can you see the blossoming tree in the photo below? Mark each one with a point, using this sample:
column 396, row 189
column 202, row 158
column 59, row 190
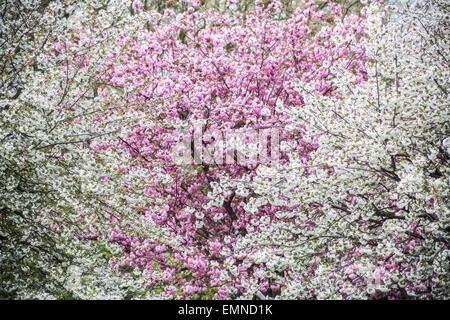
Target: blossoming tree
column 226, row 149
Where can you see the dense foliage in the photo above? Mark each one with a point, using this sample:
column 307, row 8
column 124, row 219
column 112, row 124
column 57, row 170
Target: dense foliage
column 224, row 149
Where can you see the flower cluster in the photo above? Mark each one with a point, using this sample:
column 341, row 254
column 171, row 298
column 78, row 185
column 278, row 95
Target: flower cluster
column 97, row 95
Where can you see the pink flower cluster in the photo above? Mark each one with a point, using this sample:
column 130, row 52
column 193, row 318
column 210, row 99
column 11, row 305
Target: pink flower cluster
column 229, row 72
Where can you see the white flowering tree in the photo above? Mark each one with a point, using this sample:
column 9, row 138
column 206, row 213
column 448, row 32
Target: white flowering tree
column 58, row 197
column 372, row 214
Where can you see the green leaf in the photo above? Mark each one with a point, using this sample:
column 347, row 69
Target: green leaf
column 182, row 35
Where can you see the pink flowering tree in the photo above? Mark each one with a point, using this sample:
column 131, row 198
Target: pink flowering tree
column 206, row 73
